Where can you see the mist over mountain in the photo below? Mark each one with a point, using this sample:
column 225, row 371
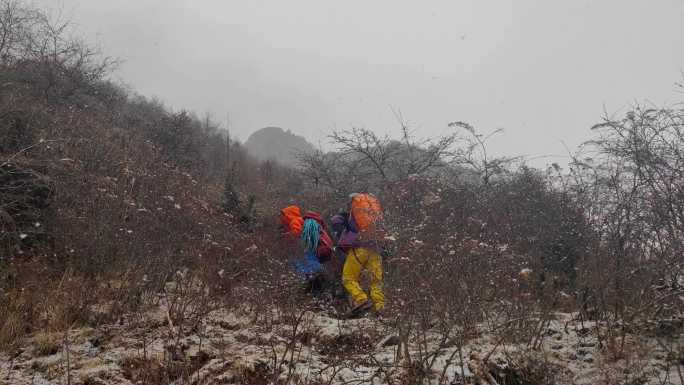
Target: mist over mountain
column 277, row 144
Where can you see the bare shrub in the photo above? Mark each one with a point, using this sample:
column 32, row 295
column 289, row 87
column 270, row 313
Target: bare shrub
column 24, row 195
column 189, row 299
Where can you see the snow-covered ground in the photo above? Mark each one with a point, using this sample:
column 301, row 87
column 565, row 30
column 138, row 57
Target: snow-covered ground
column 232, row 347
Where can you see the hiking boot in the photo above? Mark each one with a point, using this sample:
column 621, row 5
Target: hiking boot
column 360, row 309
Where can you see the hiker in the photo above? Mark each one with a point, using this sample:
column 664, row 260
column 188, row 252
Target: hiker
column 358, row 238
column 311, row 231
column 339, row 224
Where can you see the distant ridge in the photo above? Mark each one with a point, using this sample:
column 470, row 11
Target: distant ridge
column 277, row 144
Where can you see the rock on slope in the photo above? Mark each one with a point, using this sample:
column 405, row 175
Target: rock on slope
column 278, row 144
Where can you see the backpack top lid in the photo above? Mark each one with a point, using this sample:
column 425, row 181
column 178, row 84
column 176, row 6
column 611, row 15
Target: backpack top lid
column 366, row 211
column 291, row 219
column 316, row 217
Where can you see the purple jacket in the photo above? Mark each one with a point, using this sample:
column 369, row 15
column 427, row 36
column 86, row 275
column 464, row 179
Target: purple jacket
column 346, row 233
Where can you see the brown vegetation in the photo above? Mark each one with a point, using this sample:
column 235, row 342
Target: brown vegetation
column 113, row 207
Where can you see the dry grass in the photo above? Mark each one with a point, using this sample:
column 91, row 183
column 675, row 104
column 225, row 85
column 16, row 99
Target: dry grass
column 154, row 371
column 13, row 328
column 46, row 343
column 13, row 320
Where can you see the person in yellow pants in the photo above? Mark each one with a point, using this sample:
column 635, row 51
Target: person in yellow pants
column 357, row 259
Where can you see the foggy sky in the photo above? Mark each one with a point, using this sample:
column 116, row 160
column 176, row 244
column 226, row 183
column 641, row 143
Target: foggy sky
column 544, row 70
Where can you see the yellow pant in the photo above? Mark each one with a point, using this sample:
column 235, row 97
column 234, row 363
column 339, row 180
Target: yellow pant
column 356, row 260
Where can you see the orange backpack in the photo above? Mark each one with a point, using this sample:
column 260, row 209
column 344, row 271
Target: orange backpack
column 366, row 210
column 291, row 219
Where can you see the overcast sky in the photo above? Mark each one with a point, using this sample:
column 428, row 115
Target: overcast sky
column 544, row 70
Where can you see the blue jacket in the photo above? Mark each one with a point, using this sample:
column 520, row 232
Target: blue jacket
column 308, row 265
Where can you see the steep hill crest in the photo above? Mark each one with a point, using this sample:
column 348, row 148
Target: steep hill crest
column 277, row 144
